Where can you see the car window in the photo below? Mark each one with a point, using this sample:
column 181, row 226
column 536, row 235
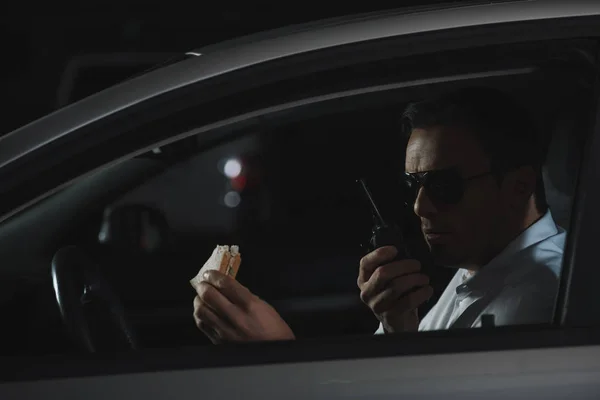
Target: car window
column 282, row 187
column 286, row 194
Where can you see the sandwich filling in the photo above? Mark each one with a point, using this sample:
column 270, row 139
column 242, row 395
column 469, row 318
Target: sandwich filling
column 226, row 259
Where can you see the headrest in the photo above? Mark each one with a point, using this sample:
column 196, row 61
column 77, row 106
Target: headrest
column 134, row 228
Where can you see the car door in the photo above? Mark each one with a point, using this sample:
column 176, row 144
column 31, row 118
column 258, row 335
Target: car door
column 291, row 90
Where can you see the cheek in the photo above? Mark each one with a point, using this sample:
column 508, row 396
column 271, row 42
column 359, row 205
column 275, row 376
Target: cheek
column 475, row 214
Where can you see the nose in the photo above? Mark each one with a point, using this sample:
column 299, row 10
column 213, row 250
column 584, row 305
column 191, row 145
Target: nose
column 424, row 207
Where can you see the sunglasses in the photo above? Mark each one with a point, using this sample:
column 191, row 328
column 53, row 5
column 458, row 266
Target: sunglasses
column 443, row 187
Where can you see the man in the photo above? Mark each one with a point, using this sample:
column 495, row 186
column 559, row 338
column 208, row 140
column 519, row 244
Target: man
column 474, row 163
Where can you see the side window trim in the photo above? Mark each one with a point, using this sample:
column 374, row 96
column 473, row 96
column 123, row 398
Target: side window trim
column 460, row 341
column 578, row 303
column 477, row 340
column 208, row 137
column 401, row 345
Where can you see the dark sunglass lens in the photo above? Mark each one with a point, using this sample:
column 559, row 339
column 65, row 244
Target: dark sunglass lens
column 445, row 194
column 410, row 188
column 445, row 187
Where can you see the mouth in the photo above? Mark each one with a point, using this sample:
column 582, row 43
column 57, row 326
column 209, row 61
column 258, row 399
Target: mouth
column 433, row 236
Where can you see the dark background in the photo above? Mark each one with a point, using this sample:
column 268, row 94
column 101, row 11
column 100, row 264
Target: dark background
column 53, row 57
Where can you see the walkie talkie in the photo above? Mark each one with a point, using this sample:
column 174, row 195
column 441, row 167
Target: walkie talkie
column 400, row 228
column 384, row 231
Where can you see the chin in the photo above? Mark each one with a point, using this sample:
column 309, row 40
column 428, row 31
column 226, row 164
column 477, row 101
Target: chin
column 442, row 256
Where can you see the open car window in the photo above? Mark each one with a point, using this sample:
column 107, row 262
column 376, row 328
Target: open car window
column 282, row 186
column 286, row 192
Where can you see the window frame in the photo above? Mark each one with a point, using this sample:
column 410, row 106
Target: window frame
column 578, row 282
column 527, row 337
column 39, row 166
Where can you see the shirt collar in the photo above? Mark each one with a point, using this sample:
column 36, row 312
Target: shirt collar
column 492, row 274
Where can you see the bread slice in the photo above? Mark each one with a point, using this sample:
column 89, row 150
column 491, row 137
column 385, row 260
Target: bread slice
column 225, row 259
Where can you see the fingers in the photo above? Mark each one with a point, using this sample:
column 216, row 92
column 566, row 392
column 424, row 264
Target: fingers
column 232, row 290
column 201, row 317
column 218, row 303
column 391, row 296
column 370, row 262
column 388, row 283
column 220, row 306
column 414, row 299
column 211, row 324
column 385, row 274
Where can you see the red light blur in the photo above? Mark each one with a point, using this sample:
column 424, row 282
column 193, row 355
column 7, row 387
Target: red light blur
column 238, row 183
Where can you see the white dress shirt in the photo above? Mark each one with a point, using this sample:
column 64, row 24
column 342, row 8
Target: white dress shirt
column 518, row 286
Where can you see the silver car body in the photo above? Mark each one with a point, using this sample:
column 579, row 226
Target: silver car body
column 552, row 372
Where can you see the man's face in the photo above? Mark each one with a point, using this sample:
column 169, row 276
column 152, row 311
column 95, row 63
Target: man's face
column 466, row 233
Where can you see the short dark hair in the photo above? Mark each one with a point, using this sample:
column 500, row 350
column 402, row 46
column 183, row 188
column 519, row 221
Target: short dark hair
column 504, row 128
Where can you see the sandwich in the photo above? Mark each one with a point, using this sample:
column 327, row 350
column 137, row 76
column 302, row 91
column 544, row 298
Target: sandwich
column 225, row 259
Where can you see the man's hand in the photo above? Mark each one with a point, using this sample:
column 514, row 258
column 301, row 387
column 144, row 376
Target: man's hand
column 227, row 311
column 393, row 290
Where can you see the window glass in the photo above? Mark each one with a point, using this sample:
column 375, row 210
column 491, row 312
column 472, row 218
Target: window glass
column 286, row 194
column 285, row 191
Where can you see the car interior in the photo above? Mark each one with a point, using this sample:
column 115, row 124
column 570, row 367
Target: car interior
column 293, row 207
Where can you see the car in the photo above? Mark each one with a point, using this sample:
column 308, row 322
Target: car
column 110, row 205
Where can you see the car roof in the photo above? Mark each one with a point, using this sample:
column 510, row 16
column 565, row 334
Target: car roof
column 230, row 57
column 336, row 21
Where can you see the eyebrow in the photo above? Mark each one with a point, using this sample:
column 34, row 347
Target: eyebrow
column 454, row 167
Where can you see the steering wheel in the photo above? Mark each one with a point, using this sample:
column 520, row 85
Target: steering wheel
column 82, row 293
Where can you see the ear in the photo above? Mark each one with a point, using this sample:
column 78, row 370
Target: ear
column 519, row 186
